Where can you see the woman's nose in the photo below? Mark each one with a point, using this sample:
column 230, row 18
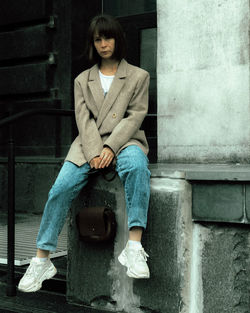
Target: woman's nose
column 103, row 42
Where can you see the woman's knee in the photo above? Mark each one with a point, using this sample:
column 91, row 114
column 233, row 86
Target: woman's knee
column 132, row 158
column 59, row 188
column 70, row 179
column 136, row 171
column 139, row 167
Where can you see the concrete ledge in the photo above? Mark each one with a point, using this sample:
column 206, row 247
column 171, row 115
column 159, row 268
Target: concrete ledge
column 220, row 193
column 202, row 172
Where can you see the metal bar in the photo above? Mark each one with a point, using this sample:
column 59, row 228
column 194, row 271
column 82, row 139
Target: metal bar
column 13, row 118
column 11, row 287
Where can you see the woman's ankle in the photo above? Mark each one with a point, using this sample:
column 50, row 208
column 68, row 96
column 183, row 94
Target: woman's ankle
column 135, row 233
column 42, row 253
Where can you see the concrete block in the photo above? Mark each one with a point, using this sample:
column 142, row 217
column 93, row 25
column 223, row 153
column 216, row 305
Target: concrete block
column 220, row 269
column 89, row 263
column 94, row 275
column 248, row 201
column 218, row 201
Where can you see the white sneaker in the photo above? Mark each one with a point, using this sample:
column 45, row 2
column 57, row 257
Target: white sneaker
column 135, row 259
column 35, row 274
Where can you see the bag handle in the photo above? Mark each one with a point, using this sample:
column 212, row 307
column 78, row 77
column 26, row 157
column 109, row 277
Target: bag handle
column 104, row 172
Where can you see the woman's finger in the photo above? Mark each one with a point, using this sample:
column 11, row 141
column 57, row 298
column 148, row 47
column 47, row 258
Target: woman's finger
column 94, row 163
column 105, row 161
column 103, row 158
column 109, row 161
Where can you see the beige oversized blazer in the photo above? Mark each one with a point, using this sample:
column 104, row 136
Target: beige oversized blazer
column 113, row 120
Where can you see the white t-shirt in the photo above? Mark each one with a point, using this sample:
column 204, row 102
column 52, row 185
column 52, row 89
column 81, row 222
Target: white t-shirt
column 106, row 82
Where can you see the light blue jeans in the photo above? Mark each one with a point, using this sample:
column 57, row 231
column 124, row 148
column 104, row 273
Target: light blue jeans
column 132, row 168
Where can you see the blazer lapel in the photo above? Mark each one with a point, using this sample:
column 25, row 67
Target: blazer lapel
column 114, row 91
column 95, row 87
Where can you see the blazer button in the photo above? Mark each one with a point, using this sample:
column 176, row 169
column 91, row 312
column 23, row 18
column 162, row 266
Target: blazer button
column 114, row 115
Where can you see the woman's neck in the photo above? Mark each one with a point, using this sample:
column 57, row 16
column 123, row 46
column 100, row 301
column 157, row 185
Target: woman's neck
column 109, row 67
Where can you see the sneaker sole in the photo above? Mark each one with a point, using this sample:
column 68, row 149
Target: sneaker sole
column 51, row 272
column 123, row 260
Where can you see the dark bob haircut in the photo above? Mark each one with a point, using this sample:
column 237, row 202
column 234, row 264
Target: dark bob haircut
column 108, row 27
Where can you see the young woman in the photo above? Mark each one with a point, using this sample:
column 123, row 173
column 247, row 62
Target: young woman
column 111, row 101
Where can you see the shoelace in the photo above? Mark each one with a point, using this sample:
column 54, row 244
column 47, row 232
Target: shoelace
column 31, row 270
column 141, row 254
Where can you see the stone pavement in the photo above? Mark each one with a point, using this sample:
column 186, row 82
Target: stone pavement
column 40, row 302
column 51, row 299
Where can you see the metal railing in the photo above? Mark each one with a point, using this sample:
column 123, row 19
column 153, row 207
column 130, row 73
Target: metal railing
column 10, row 283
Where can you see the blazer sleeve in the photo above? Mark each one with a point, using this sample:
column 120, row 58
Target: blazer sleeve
column 89, row 135
column 134, row 116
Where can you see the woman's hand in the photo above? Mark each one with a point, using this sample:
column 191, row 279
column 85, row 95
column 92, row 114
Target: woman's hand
column 106, row 157
column 94, row 163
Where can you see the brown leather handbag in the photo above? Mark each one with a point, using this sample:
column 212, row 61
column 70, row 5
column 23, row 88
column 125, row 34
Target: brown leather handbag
column 96, row 224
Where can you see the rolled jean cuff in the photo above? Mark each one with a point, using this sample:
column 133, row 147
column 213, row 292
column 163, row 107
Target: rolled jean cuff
column 46, row 248
column 137, row 225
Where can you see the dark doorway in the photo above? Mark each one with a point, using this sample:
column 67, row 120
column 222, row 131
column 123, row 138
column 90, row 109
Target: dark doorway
column 139, row 21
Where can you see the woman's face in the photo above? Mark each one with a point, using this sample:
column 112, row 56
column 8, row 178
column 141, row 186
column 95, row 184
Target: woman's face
column 105, row 47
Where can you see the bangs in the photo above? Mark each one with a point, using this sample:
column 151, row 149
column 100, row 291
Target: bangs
column 103, row 28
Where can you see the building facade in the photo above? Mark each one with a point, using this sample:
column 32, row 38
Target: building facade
column 197, row 53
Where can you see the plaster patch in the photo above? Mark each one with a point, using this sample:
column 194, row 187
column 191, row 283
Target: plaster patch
column 122, row 286
column 200, row 236
column 166, row 185
column 184, row 227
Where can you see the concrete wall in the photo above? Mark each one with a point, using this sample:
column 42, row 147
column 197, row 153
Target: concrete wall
column 203, row 81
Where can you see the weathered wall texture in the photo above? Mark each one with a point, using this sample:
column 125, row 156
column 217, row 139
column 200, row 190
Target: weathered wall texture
column 203, row 81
